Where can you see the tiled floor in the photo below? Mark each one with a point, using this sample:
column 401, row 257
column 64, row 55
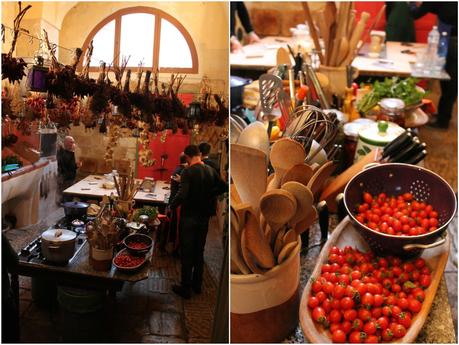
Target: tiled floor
column 143, row 312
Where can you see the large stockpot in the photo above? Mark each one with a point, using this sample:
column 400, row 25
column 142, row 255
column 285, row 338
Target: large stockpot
column 58, row 245
column 75, row 209
column 395, row 179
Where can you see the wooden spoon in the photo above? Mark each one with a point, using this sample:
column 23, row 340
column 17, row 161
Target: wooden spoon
column 278, row 206
column 248, row 257
column 304, row 224
column 286, row 251
column 304, row 200
column 279, row 242
column 249, row 172
column 256, row 242
column 317, row 181
column 301, row 173
column 236, row 251
column 355, row 38
column 290, row 236
column 285, row 153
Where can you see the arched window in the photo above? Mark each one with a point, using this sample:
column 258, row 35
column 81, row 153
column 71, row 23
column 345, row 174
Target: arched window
column 144, row 34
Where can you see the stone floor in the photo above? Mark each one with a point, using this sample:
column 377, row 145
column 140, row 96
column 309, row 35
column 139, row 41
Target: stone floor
column 143, row 312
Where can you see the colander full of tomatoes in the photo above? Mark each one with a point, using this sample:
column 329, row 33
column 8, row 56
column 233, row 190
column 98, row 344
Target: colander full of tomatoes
column 400, row 209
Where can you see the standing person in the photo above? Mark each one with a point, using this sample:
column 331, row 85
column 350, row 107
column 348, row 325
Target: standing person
column 447, row 14
column 199, row 187
column 66, row 166
column 239, row 8
column 10, row 309
column 175, row 213
column 205, row 148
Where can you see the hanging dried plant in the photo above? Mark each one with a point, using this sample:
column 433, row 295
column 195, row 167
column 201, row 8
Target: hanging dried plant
column 13, row 68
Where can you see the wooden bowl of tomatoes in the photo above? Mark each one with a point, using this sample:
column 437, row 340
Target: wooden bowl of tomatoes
column 400, row 209
column 138, row 243
column 127, row 261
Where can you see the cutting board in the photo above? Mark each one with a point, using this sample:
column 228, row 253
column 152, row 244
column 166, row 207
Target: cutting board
column 345, row 235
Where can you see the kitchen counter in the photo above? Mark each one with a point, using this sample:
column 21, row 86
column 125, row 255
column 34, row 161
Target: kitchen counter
column 438, row 328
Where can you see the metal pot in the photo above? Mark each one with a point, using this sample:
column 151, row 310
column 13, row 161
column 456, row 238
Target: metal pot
column 396, row 179
column 58, row 245
column 75, row 210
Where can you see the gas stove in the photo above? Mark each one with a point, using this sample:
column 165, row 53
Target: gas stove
column 31, row 253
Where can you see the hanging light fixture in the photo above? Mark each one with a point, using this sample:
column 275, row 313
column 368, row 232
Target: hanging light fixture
column 36, row 78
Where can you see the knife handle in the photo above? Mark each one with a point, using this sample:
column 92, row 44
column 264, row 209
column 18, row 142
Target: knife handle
column 322, row 209
column 340, row 206
column 395, row 145
column 416, row 159
column 403, row 154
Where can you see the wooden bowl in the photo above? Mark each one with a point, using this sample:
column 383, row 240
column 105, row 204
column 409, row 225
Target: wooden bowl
column 345, row 234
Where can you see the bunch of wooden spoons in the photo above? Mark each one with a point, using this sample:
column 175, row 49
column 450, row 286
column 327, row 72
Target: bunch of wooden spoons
column 273, row 210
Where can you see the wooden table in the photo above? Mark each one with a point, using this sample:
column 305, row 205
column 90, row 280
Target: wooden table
column 92, row 187
column 262, row 56
column 259, row 56
column 393, row 62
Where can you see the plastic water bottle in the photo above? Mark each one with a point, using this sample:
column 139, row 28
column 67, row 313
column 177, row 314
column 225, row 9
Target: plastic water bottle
column 442, row 52
column 432, row 48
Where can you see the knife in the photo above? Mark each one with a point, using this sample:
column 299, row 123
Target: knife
column 322, row 209
column 407, row 155
column 398, row 143
column 416, row 159
column 404, row 153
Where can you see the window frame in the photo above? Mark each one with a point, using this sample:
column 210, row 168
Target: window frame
column 159, row 14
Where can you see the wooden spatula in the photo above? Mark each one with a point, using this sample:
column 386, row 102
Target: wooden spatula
column 256, row 242
column 343, row 50
column 249, row 172
column 283, row 57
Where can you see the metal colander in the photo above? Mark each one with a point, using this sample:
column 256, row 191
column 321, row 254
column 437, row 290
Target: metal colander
column 396, row 179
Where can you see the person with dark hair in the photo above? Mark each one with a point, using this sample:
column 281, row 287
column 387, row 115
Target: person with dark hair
column 66, row 167
column 238, row 7
column 205, row 148
column 10, row 309
column 175, row 214
column 447, row 14
column 199, row 186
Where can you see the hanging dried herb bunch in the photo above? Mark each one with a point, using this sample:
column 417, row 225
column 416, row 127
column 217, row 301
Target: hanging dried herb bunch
column 13, row 68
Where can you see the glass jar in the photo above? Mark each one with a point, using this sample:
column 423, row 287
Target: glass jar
column 393, row 110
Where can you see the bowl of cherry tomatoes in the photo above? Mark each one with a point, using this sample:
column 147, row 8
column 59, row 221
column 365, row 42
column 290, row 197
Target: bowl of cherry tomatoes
column 138, row 243
column 127, row 261
column 400, row 209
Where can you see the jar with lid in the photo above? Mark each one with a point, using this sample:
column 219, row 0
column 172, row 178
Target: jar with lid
column 351, row 136
column 393, row 110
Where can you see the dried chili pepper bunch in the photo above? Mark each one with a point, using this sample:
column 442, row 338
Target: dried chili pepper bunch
column 35, row 107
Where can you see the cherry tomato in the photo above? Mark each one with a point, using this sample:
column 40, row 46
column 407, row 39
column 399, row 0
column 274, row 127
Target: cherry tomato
column 313, row 302
column 367, row 300
column 357, row 337
column 346, row 303
column 387, row 335
column 399, row 331
column 424, row 280
column 367, row 197
column 370, row 328
column 318, row 315
column 371, row 339
column 364, row 315
column 404, row 319
column 414, row 305
column 335, row 316
column 350, row 314
column 419, row 295
column 338, row 336
column 382, row 322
